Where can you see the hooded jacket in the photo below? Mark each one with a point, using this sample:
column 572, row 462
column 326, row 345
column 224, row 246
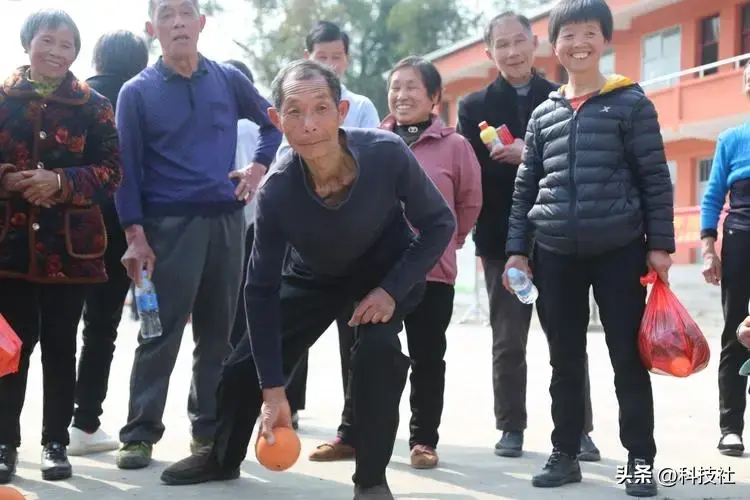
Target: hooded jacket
column 595, row 179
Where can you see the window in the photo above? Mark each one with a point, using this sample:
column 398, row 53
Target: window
column 607, row 63
column 704, row 173
column 708, row 50
column 672, row 172
column 745, row 30
column 660, row 56
column 563, row 78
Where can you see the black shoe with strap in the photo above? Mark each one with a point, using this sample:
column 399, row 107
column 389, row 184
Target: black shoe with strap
column 640, row 478
column 55, row 464
column 560, row 469
column 8, row 461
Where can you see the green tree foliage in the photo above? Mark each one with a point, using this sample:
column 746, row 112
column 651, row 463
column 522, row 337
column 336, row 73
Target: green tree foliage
column 381, row 32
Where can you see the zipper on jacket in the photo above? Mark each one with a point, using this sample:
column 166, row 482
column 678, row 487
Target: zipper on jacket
column 572, row 178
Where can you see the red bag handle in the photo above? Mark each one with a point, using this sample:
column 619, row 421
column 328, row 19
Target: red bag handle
column 650, row 278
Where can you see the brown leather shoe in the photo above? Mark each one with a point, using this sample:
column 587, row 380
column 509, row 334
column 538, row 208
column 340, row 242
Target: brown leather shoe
column 424, row 457
column 332, row 452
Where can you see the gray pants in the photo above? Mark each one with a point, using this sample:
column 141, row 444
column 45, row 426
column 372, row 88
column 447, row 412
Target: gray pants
column 198, row 269
column 510, row 320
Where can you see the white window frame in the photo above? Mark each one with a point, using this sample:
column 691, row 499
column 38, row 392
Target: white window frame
column 661, row 33
column 701, row 185
column 672, row 164
column 605, row 71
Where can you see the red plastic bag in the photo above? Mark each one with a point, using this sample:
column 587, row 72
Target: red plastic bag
column 669, row 341
column 10, row 349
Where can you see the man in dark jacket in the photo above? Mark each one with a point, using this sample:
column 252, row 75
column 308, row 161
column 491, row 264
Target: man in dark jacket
column 118, row 56
column 594, row 192
column 509, row 100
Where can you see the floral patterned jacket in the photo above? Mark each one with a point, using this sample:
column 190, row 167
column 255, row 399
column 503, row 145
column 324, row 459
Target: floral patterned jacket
column 71, row 132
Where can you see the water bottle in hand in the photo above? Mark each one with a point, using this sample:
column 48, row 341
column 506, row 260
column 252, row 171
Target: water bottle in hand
column 522, row 285
column 148, row 308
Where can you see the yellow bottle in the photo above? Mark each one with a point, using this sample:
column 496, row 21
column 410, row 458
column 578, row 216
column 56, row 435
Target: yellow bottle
column 489, row 136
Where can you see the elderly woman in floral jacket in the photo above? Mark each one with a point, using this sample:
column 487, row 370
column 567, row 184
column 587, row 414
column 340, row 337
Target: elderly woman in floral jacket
column 58, row 160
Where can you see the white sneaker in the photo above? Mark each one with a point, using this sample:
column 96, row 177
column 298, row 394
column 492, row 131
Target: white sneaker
column 83, row 443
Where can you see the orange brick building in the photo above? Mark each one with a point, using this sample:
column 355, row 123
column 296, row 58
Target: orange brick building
column 689, row 57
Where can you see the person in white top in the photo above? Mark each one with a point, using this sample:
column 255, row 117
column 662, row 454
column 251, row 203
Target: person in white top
column 247, row 136
column 328, row 44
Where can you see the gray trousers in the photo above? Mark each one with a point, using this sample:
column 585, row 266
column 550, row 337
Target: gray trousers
column 198, row 269
column 510, row 320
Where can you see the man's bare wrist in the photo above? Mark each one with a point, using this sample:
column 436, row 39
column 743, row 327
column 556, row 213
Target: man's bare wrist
column 274, row 394
column 133, row 232
column 708, row 246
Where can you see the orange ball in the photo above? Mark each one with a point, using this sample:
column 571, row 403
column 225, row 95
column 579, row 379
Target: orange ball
column 8, row 493
column 282, row 454
column 680, row 366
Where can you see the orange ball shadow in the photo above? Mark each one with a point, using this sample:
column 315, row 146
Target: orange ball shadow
column 280, row 456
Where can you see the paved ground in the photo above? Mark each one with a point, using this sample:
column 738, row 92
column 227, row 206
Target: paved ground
column 686, row 433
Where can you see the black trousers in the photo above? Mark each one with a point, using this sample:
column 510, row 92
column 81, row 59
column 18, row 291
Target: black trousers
column 378, row 377
column 48, row 314
column 563, row 282
column 101, row 317
column 510, row 320
column 296, row 390
column 239, row 329
column 735, row 295
column 425, row 335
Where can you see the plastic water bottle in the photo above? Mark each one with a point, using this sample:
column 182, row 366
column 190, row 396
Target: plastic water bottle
column 522, row 286
column 148, row 308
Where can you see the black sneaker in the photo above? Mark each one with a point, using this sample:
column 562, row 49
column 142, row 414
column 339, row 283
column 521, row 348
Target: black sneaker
column 8, row 461
column 379, row 492
column 560, row 469
column 640, row 478
column 197, row 469
column 55, row 464
column 510, row 444
column 589, row 452
column 731, row 445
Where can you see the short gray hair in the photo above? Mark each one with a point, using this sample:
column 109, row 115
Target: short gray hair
column 153, row 3
column 304, row 69
column 48, row 19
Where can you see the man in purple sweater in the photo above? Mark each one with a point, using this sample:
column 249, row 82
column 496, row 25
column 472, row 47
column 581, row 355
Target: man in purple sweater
column 340, row 204
column 181, row 208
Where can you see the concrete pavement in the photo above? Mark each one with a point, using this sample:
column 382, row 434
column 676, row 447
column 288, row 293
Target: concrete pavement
column 686, row 430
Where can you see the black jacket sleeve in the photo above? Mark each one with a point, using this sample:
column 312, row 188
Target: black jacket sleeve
column 520, row 230
column 645, row 149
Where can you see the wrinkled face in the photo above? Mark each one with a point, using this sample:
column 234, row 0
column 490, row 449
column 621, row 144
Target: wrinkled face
column 332, row 54
column 512, row 50
column 579, row 46
column 177, row 25
column 51, row 52
column 309, row 117
column 408, row 101
column 746, row 80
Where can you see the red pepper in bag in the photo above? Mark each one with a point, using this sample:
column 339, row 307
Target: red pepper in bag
column 669, row 341
column 10, row 349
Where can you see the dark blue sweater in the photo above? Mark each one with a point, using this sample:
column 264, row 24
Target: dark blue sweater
column 178, row 138
column 362, row 243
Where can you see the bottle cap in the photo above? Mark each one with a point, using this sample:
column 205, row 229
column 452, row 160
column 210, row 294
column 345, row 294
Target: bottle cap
column 483, row 125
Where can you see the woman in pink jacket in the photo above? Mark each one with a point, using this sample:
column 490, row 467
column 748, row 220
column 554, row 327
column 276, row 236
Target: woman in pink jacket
column 414, row 89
